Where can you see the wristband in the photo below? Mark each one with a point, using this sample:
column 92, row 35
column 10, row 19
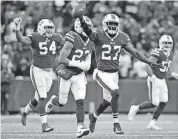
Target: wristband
column 73, row 64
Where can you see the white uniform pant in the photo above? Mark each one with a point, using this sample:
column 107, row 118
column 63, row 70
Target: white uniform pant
column 158, row 91
column 108, row 81
column 77, row 84
column 42, row 81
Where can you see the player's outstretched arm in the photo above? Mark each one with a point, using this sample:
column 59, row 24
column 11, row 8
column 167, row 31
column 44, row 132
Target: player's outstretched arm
column 19, row 35
column 129, row 48
column 173, row 74
column 91, row 33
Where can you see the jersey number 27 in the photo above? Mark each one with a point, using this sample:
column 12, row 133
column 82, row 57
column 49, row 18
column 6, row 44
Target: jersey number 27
column 106, row 54
column 44, row 48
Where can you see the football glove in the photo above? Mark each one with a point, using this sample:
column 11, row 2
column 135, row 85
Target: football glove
column 64, row 72
column 79, row 10
column 17, row 22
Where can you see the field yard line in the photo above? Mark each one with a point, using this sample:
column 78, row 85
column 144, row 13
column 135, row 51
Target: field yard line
column 41, row 134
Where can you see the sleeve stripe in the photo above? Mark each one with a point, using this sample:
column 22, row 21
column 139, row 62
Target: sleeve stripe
column 155, row 54
column 70, row 36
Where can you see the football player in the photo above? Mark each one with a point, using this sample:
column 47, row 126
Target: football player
column 44, row 44
column 109, row 41
column 158, row 90
column 75, row 56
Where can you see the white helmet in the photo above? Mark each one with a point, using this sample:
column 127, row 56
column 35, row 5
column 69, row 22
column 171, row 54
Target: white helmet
column 111, row 24
column 77, row 25
column 46, row 27
column 166, row 43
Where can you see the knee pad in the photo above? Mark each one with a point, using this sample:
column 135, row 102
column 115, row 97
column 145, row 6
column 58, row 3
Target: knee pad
column 115, row 93
column 79, row 102
column 34, row 102
column 156, row 103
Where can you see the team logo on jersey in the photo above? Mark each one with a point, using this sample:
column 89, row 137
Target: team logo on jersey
column 47, row 40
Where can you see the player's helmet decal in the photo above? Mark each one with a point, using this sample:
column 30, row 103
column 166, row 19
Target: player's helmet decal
column 111, row 24
column 166, row 43
column 46, row 27
column 77, row 25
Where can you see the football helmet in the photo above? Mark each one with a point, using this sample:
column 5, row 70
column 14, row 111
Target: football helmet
column 77, row 25
column 166, row 43
column 46, row 27
column 110, row 24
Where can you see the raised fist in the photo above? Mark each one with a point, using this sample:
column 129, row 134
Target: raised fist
column 17, row 21
column 79, row 10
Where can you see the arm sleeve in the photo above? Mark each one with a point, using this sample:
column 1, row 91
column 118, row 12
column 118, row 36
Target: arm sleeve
column 126, row 38
column 91, row 33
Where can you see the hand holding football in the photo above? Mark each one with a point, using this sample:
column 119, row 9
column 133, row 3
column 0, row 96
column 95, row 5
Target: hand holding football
column 79, row 10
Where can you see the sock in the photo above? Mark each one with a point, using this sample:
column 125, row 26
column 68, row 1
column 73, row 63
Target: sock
column 102, row 106
column 94, row 114
column 31, row 105
column 159, row 110
column 146, row 105
column 43, row 118
column 80, row 111
column 115, row 101
column 115, row 118
column 55, row 101
column 42, row 110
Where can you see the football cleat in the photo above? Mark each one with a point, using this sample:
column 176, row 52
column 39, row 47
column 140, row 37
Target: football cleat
column 82, row 130
column 117, row 129
column 24, row 116
column 92, row 122
column 46, row 128
column 133, row 111
column 152, row 125
column 49, row 105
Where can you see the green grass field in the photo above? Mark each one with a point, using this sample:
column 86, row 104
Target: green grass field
column 65, row 127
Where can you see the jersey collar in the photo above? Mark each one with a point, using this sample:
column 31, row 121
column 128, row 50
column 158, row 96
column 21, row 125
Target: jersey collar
column 112, row 39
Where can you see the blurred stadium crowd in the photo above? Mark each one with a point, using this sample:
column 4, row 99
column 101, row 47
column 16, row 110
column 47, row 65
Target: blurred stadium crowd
column 144, row 21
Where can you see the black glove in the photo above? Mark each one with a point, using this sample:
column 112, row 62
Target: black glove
column 64, row 72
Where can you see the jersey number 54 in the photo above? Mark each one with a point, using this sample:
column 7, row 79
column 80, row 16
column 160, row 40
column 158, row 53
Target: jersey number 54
column 44, row 48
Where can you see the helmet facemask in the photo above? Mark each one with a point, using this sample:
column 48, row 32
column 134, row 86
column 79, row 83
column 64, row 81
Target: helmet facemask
column 112, row 27
column 49, row 30
column 167, row 46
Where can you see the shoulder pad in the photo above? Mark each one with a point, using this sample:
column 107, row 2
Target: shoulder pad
column 155, row 52
column 70, row 36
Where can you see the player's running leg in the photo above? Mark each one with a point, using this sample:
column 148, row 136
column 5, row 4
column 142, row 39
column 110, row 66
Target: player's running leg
column 154, row 100
column 78, row 89
column 109, row 81
column 61, row 100
column 163, row 96
column 42, row 82
column 93, row 116
column 28, row 108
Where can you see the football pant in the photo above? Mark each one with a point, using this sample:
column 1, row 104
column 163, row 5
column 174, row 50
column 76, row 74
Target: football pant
column 41, row 80
column 108, row 81
column 157, row 90
column 77, row 83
